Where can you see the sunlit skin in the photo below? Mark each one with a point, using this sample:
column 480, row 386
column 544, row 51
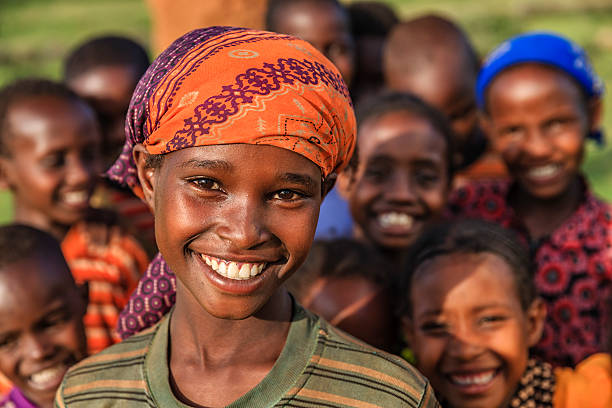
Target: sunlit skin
column 325, row 27
column 467, row 322
column 449, row 90
column 108, row 89
column 537, row 119
column 357, row 305
column 227, row 201
column 52, row 165
column 402, row 169
column 41, row 329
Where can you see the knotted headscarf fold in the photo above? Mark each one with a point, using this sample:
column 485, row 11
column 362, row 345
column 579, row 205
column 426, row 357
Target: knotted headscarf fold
column 224, row 85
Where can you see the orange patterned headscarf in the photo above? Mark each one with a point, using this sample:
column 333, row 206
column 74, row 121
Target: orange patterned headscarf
column 224, row 85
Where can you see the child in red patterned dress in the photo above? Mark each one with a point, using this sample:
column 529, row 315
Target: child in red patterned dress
column 540, row 101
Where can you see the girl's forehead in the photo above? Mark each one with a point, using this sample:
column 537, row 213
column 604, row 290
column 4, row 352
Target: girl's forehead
column 485, row 274
column 534, row 74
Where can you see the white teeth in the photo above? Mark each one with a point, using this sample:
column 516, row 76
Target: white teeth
column 222, row 268
column 76, row 197
column 234, row 270
column 393, row 219
column 47, row 375
column 244, row 272
column 543, row 171
column 473, row 379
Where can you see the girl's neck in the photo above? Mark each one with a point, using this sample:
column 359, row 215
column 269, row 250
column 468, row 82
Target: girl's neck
column 207, row 352
column 198, row 335
column 543, row 216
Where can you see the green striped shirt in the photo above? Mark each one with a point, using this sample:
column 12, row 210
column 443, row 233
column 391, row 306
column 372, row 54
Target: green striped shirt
column 319, row 366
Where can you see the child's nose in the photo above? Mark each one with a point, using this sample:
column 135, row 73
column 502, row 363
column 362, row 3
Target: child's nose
column 536, row 144
column 400, row 188
column 464, row 346
column 35, row 346
column 242, row 223
column 80, row 172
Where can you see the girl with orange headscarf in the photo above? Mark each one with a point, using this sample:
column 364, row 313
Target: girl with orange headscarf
column 234, row 137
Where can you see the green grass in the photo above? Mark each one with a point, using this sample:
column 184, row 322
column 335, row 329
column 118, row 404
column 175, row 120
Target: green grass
column 36, row 34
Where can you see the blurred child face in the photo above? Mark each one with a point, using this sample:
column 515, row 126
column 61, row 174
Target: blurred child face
column 448, row 89
column 52, row 165
column 468, row 330
column 401, row 182
column 537, row 120
column 231, row 225
column 108, row 89
column 356, row 305
column 41, row 329
column 325, row 27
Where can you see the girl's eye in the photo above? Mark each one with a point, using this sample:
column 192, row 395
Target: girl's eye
column 206, row 184
column 287, row 195
column 8, row 340
column 53, row 161
column 434, row 328
column 492, row 319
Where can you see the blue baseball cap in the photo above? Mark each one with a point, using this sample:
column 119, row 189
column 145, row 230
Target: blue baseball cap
column 545, row 48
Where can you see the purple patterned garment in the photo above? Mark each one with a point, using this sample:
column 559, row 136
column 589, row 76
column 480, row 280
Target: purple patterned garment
column 153, row 298
column 16, row 399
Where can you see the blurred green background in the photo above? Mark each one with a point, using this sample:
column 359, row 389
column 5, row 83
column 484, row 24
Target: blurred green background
column 36, row 34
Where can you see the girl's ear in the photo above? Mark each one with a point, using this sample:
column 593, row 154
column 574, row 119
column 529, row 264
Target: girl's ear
column 484, row 122
column 328, row 184
column 595, row 108
column 6, row 172
column 536, row 314
column 407, row 329
column 146, row 174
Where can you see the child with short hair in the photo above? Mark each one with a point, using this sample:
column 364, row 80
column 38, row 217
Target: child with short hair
column 404, row 172
column 325, row 24
column 346, row 282
column 470, row 312
column 41, row 316
column 541, row 100
column 235, row 136
column 104, row 71
column 49, row 160
column 432, row 57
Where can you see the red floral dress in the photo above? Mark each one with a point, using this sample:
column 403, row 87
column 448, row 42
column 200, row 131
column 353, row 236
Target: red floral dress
column 573, row 268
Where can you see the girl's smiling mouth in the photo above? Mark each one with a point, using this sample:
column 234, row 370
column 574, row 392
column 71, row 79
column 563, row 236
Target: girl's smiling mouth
column 234, row 270
column 473, row 382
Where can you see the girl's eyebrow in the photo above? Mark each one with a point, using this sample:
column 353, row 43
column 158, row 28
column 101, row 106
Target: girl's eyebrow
column 207, row 164
column 303, row 179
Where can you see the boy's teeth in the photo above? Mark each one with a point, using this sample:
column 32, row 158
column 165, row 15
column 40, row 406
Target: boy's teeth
column 76, row 197
column 543, row 171
column 233, row 270
column 47, row 375
column 393, row 219
column 473, row 379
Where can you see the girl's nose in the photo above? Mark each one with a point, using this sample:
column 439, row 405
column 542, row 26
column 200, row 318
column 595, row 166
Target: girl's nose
column 242, row 222
column 400, row 188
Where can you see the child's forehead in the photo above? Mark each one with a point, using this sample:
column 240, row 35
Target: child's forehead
column 44, row 275
column 464, row 272
column 533, row 73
